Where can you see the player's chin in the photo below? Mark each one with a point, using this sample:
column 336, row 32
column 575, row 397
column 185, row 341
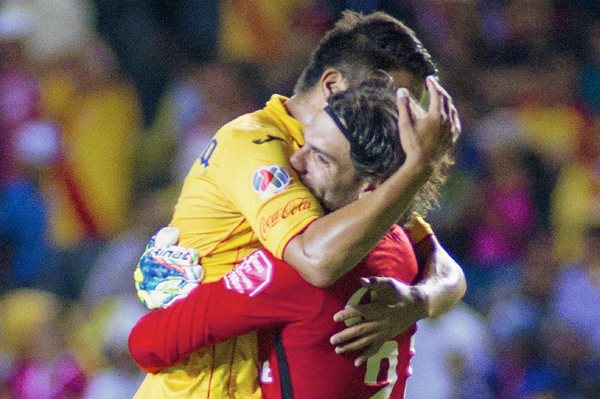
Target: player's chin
column 315, row 192
column 305, row 181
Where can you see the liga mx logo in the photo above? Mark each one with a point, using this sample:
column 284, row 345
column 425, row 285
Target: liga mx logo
column 269, row 180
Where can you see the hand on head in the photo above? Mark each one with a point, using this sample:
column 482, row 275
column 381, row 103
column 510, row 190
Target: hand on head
column 427, row 135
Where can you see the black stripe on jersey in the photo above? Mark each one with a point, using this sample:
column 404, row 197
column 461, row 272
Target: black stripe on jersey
column 267, row 139
column 287, row 392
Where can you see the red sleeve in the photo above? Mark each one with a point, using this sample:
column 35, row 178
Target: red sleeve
column 259, row 293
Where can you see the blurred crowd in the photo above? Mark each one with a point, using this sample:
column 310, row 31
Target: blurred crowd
column 105, row 104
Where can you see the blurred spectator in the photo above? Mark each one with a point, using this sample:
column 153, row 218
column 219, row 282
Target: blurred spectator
column 199, row 101
column 23, row 210
column 510, row 362
column 29, row 146
column 520, row 309
column 120, row 378
column 83, row 167
column 552, row 361
column 550, row 117
column 589, row 75
column 19, row 91
column 181, row 108
column 273, row 39
column 515, row 31
column 576, row 196
column 34, row 335
column 112, row 270
column 98, row 112
column 48, row 37
column 543, row 362
column 576, row 299
column 505, row 212
column 452, row 32
column 218, row 85
column 257, row 32
column 566, row 366
column 516, row 318
column 150, row 37
column 452, row 357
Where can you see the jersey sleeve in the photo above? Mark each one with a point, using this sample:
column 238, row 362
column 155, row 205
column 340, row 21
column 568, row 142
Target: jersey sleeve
column 418, row 229
column 260, row 182
column 261, row 292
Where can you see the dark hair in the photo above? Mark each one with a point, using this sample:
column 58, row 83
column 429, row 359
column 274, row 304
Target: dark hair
column 367, row 115
column 360, row 44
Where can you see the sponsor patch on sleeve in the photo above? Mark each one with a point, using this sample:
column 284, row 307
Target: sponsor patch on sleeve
column 291, row 208
column 270, row 180
column 251, row 276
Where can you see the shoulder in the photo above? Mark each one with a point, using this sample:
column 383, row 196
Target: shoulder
column 394, row 241
column 255, row 128
column 394, row 255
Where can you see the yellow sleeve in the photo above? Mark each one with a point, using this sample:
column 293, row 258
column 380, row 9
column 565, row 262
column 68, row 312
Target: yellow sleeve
column 418, row 229
column 261, row 183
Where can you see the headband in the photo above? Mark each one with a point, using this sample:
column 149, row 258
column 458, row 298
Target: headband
column 356, row 149
column 339, row 124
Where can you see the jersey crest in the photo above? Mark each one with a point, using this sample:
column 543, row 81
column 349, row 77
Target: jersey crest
column 269, row 180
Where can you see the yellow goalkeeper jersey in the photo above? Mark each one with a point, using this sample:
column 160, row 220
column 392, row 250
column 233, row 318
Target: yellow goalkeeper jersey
column 241, row 194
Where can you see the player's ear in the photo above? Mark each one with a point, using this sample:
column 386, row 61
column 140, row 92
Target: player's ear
column 331, row 82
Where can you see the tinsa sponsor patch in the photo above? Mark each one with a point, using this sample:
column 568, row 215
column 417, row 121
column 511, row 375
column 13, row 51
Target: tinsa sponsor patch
column 269, row 180
column 251, row 276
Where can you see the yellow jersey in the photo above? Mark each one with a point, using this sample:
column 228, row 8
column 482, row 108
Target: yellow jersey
column 240, row 194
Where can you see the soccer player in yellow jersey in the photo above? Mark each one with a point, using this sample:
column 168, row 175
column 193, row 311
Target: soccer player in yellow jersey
column 243, row 193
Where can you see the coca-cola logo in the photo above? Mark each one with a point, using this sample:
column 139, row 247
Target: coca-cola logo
column 291, row 208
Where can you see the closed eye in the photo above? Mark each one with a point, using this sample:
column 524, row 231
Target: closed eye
column 322, row 159
column 320, row 156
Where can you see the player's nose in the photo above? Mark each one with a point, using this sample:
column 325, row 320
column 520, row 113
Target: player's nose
column 298, row 161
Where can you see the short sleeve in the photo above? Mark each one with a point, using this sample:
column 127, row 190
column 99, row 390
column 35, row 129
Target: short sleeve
column 260, row 182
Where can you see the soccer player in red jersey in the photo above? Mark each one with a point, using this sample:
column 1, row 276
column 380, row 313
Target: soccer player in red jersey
column 297, row 318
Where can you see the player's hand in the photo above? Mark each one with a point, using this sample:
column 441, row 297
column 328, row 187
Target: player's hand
column 427, row 135
column 166, row 272
column 394, row 307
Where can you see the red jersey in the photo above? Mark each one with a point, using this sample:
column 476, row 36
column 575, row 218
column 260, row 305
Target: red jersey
column 296, row 322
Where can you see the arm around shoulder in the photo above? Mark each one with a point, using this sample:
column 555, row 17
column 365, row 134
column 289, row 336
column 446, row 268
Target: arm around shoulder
column 333, row 244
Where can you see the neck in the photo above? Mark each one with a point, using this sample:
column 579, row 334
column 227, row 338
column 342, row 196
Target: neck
column 304, row 106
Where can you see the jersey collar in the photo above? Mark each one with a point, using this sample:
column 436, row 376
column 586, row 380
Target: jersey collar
column 294, row 127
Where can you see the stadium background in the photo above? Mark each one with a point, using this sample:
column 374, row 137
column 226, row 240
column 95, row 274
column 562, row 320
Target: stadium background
column 104, row 105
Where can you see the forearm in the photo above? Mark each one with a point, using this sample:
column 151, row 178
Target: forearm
column 443, row 282
column 164, row 337
column 214, row 312
column 336, row 242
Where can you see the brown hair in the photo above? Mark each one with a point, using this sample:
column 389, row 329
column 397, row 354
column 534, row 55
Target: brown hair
column 368, row 117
